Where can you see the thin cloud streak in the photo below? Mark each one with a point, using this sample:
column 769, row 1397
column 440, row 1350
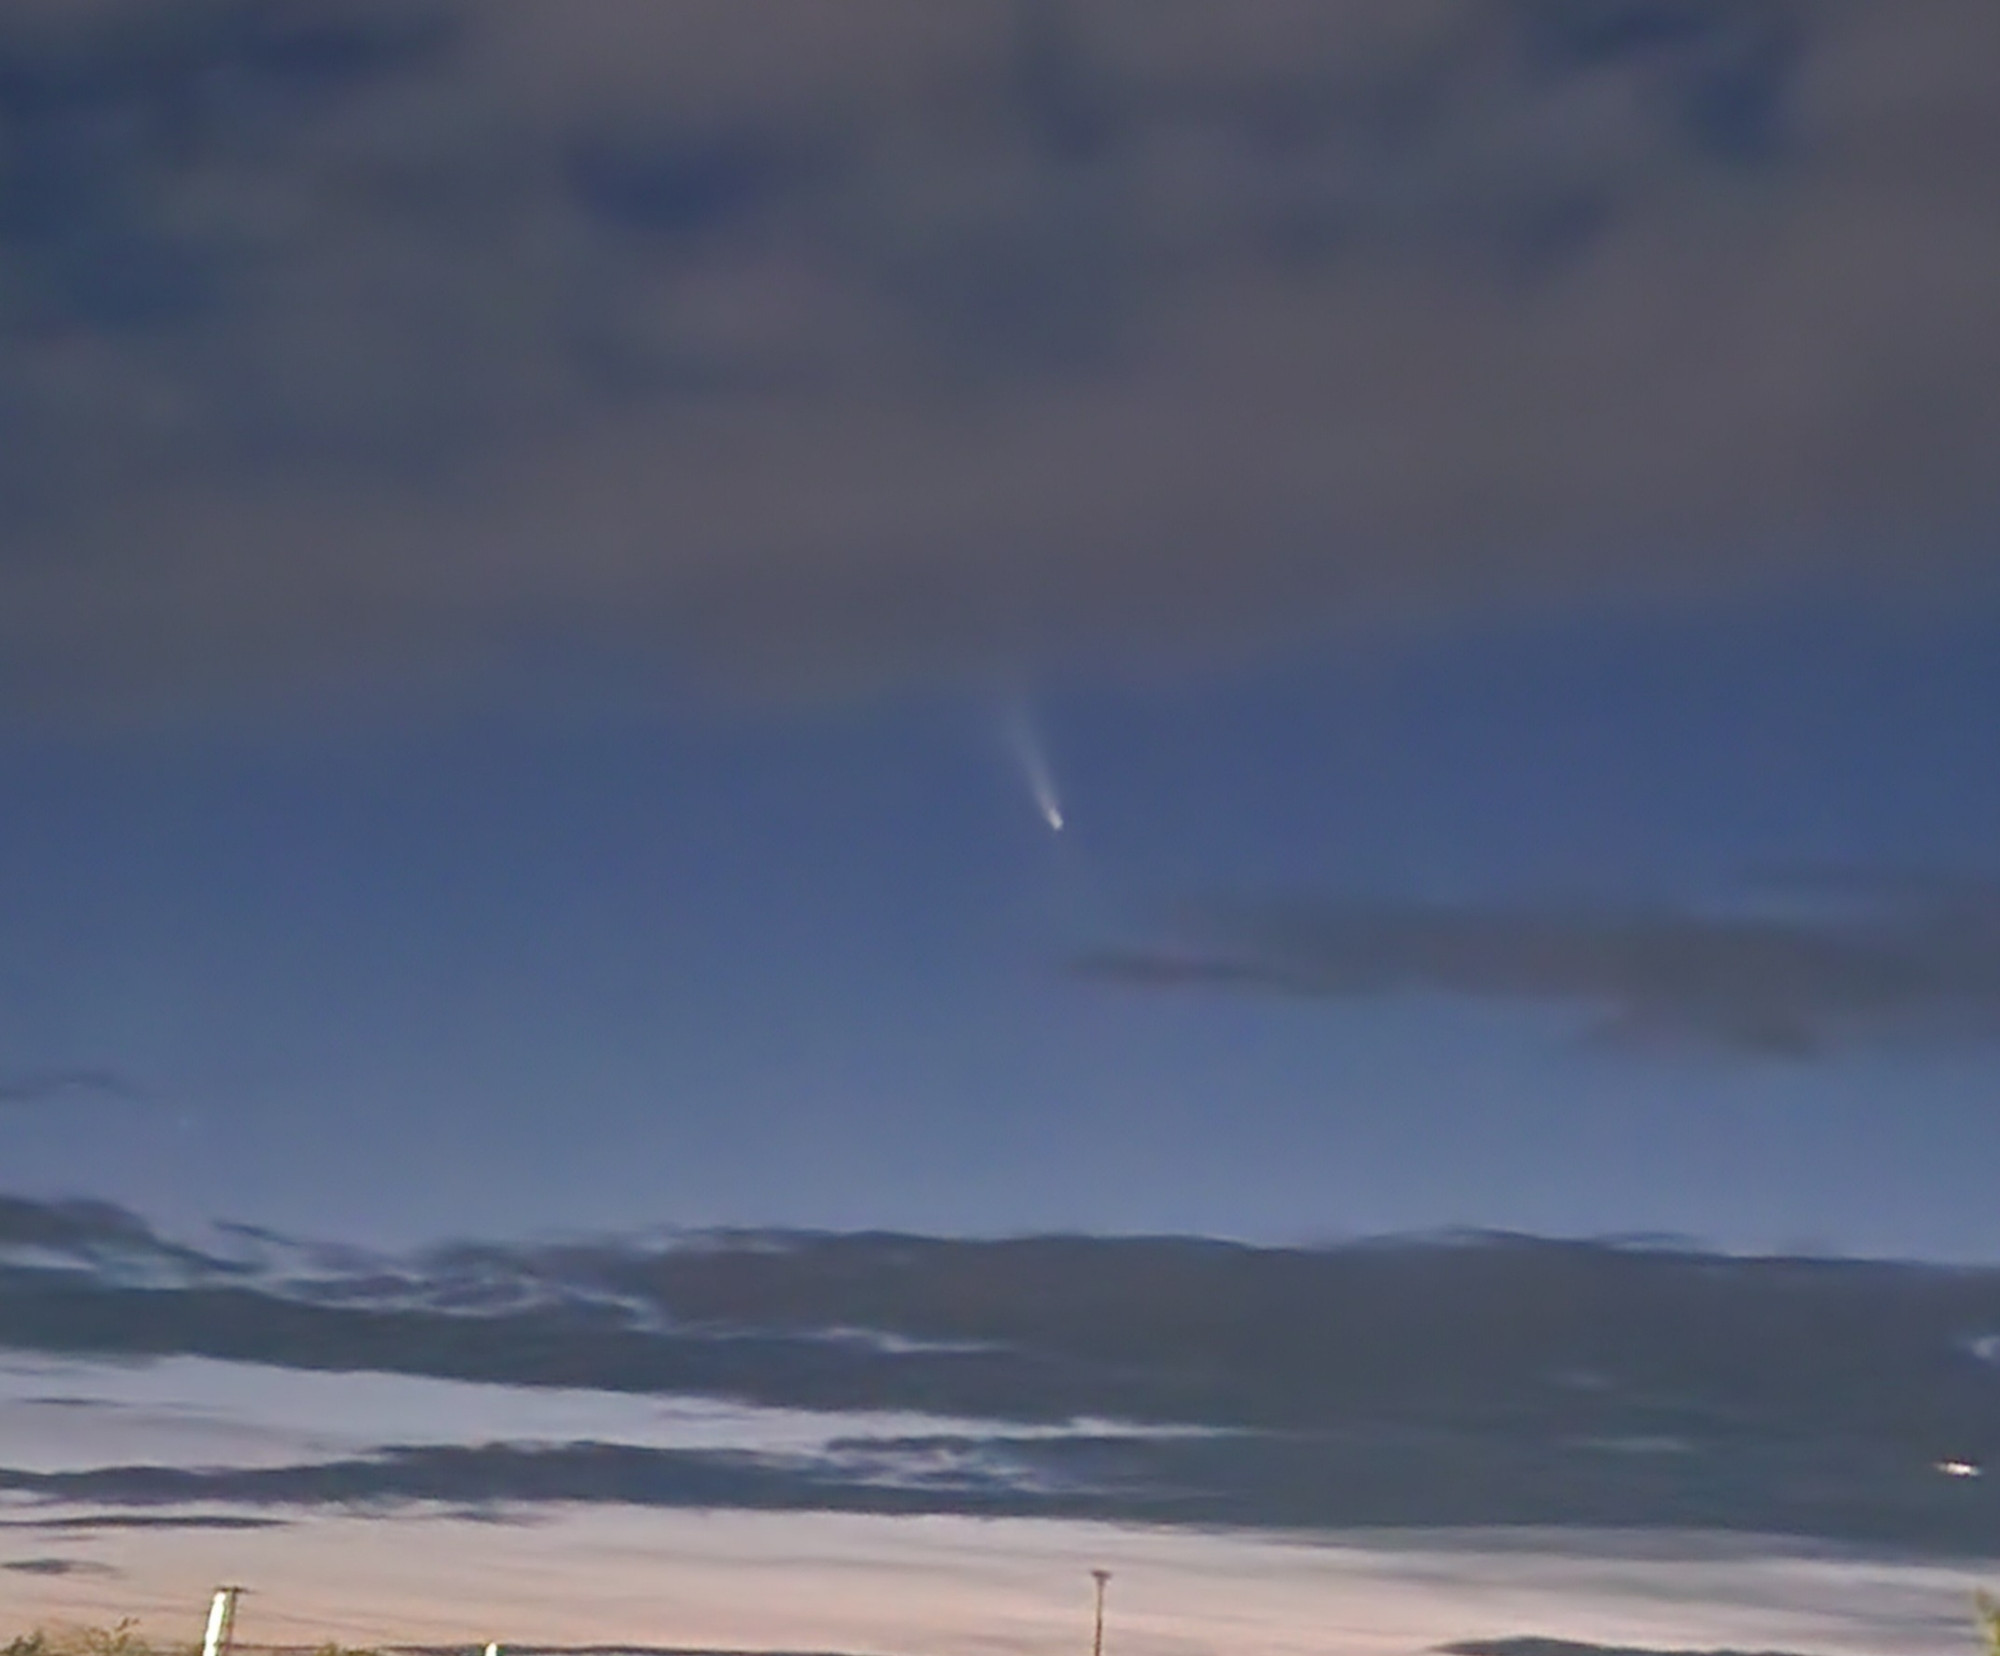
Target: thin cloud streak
column 54, row 1086
column 1912, row 958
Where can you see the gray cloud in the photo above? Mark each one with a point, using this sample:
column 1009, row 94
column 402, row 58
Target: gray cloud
column 1839, row 957
column 1052, row 1329
column 55, row 1085
column 78, row 1224
column 1462, row 1380
column 506, row 1473
column 381, row 346
column 1369, row 1475
column 85, row 1523
column 57, row 1567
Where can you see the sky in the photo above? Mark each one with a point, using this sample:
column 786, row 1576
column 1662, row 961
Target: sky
column 548, row 552
column 771, row 772
column 816, row 971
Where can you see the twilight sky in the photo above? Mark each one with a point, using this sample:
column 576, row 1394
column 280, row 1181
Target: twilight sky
column 531, row 532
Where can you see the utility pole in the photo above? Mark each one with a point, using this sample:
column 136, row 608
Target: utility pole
column 221, row 1622
column 1097, row 1637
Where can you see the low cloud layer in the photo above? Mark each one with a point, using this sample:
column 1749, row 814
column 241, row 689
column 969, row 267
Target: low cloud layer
column 370, row 347
column 1467, row 1381
column 1360, row 1479
column 1908, row 958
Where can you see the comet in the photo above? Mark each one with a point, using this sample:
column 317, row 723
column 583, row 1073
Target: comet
column 1024, row 743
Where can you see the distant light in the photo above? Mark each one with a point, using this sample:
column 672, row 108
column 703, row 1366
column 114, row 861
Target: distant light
column 1960, row 1469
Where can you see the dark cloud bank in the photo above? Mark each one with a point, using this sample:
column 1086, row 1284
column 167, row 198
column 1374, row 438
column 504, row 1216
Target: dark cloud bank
column 1838, row 956
column 349, row 343
column 1447, row 1382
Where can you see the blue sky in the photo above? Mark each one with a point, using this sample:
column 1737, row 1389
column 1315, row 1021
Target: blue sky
column 524, row 526
column 812, row 967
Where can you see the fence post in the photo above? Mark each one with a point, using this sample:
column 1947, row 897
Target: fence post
column 221, row 1622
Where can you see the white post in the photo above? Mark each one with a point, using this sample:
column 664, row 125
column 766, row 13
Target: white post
column 221, row 1622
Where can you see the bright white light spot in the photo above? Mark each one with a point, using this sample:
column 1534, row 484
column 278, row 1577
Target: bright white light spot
column 1959, row 1469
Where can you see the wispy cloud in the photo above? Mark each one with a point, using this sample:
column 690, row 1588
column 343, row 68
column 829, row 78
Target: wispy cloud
column 51, row 1086
column 99, row 1237
column 503, row 1474
column 1841, row 957
column 365, row 345
column 57, row 1567
column 59, row 1524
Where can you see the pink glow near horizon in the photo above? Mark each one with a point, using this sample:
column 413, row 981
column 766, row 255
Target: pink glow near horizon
column 936, row 1586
